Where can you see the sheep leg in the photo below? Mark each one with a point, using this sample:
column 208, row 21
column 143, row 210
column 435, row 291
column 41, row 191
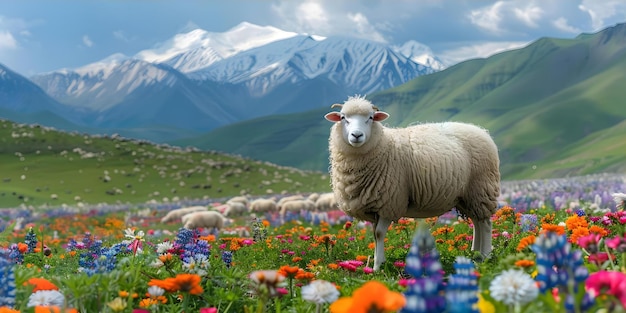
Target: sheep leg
column 380, row 227
column 482, row 237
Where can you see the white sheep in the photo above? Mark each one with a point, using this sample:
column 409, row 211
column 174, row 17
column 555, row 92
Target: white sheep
column 178, row 213
column 381, row 174
column 206, row 219
column 235, row 209
column 263, row 205
column 296, row 206
column 326, row 202
column 240, row 199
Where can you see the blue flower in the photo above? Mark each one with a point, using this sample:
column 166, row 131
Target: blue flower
column 7, row 279
column 462, row 288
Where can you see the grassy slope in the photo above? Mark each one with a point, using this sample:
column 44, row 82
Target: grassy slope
column 540, row 103
column 50, row 163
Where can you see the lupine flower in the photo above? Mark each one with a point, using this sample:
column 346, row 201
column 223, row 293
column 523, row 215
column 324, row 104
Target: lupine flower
column 559, row 267
column 528, row 222
column 372, row 297
column 31, row 240
column 462, row 288
column 7, row 280
column 423, row 264
column 227, row 257
column 319, row 292
column 513, row 287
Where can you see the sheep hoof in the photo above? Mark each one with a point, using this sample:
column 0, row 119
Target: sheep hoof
column 478, row 257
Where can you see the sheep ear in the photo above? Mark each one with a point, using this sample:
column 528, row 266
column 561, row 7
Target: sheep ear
column 333, row 116
column 380, row 116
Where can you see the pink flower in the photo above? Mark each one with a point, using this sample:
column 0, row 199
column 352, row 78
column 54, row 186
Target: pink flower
column 614, row 242
column 403, row 282
column 612, row 283
column 368, row 270
column 247, row 242
column 140, row 311
column 589, row 242
column 208, row 310
column 305, row 237
column 399, row 264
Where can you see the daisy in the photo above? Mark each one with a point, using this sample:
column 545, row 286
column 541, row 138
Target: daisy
column 46, row 298
column 320, row 291
column 513, row 287
column 164, row 247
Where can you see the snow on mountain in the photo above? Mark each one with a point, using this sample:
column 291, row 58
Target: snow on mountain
column 100, row 85
column 199, row 48
column 421, row 54
column 360, row 65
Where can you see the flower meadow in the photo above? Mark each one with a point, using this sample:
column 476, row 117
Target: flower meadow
column 559, row 246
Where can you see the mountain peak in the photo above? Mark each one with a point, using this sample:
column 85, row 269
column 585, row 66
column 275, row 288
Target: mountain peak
column 420, row 53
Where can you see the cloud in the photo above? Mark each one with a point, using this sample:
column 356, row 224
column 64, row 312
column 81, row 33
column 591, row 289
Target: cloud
column 7, row 41
column 529, row 15
column 561, row 24
column 478, row 50
column 488, row 18
column 327, row 18
column 121, row 35
column 87, row 42
column 600, row 11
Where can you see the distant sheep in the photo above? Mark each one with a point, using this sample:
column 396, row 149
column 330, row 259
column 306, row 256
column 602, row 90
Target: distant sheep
column 326, row 202
column 176, row 214
column 296, row 206
column 235, row 209
column 314, row 196
column 240, row 199
column 205, row 219
column 381, row 174
column 262, row 205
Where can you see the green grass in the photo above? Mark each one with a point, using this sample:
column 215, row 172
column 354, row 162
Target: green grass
column 38, row 163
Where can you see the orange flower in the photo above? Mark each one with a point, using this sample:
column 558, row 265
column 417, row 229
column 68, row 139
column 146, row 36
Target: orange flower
column 266, row 223
column 289, row 271
column 148, row 302
column 41, row 284
column 123, row 294
column 573, row 222
column 303, row 275
column 373, row 296
column 362, row 258
column 53, row 309
column 182, row 282
column 559, row 230
column 577, row 233
column 524, row 263
column 22, row 247
column 4, row 309
column 598, row 230
column 165, row 257
column 525, row 242
column 333, row 266
column 296, row 259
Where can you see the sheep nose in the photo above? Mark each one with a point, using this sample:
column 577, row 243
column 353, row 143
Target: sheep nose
column 357, row 134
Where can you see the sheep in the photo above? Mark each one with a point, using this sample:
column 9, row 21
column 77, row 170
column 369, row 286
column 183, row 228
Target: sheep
column 262, row 205
column 240, row 199
column 206, row 219
column 380, row 174
column 235, row 209
column 296, row 206
column 178, row 213
column 314, row 196
column 326, row 202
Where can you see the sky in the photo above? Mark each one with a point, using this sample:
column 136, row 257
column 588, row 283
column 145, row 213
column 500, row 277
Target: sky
column 38, row 36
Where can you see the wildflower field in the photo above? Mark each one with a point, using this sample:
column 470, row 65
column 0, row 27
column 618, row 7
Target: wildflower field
column 559, row 246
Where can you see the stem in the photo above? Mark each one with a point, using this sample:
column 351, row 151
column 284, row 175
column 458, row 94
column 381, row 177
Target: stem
column 613, row 266
column 318, row 308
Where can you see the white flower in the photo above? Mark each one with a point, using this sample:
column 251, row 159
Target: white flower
column 163, row 247
column 130, row 233
column 156, row 291
column 320, row 291
column 513, row 287
column 46, row 298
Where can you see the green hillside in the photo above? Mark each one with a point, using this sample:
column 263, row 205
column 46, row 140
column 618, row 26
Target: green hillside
column 555, row 108
column 41, row 166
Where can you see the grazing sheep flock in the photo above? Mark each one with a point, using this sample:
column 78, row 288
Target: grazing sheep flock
column 176, row 214
column 381, row 174
column 205, row 219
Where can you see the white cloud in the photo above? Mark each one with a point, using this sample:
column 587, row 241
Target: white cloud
column 7, row 41
column 488, row 18
column 561, row 23
column 529, row 15
column 87, row 41
column 326, row 18
column 478, row 50
column 121, row 35
column 600, row 11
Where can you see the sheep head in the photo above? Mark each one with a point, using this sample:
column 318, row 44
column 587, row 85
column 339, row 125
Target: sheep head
column 357, row 116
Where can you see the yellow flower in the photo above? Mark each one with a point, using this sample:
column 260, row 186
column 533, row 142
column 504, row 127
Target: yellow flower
column 485, row 306
column 117, row 305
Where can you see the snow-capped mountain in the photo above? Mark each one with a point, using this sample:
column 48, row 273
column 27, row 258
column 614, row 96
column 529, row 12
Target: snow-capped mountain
column 198, row 49
column 245, row 72
column 421, row 54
